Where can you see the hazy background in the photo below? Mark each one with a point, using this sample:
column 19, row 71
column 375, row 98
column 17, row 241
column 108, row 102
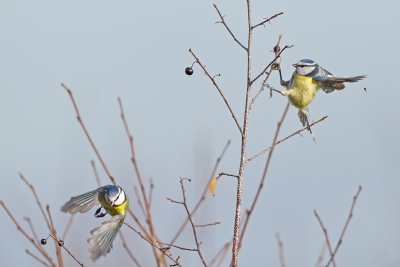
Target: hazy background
column 138, row 50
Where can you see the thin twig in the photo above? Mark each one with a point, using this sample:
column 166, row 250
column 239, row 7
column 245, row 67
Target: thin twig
column 346, row 225
column 54, row 232
column 190, row 219
column 125, row 245
column 203, row 196
column 280, row 244
column 151, row 191
column 78, row 116
column 267, row 20
column 149, row 219
column 261, row 185
column 154, row 245
column 267, row 77
column 37, row 200
column 223, row 256
column 219, row 90
column 205, row 225
column 175, row 246
column 326, row 237
column 96, row 174
column 32, row 229
column 226, row 26
column 42, row 251
column 266, row 68
column 60, row 243
column 284, row 139
column 36, row 258
column 68, row 226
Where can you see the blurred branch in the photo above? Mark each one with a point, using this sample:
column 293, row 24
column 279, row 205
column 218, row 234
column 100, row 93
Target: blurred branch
column 203, row 196
column 37, row 200
column 36, row 258
column 42, row 251
column 139, row 201
column 281, row 258
column 267, row 20
column 190, row 218
column 284, row 139
column 68, row 226
column 32, row 229
column 54, row 232
column 346, row 225
column 148, row 215
column 125, row 245
column 219, row 90
column 226, row 26
column 96, row 174
column 87, row 134
column 326, row 237
column 321, row 255
column 222, row 252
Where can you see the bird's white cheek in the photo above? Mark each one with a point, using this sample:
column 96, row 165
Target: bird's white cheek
column 120, row 200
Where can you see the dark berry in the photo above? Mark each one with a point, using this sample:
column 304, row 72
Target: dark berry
column 189, row 71
column 60, row 242
column 277, row 49
column 43, row 241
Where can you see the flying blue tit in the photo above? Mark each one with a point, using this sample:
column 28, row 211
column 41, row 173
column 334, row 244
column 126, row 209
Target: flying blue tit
column 115, row 202
column 305, row 82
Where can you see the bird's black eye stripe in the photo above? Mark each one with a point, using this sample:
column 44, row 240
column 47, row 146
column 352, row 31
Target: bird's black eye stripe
column 302, row 66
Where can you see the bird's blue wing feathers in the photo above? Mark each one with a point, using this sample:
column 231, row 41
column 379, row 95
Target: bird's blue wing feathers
column 103, row 237
column 84, row 202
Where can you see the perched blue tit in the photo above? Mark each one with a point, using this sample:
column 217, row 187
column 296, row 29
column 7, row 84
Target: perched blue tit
column 115, row 202
column 305, row 82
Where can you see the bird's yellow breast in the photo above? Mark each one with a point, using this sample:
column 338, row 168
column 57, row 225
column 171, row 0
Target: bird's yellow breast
column 303, row 90
column 116, row 210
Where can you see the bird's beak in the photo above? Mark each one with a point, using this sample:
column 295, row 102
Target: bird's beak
column 294, row 65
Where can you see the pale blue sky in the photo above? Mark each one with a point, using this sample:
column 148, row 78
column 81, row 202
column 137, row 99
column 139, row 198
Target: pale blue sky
column 138, row 50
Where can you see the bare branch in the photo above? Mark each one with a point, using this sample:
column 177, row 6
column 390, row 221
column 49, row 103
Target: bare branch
column 321, row 256
column 37, row 246
column 326, row 237
column 219, row 90
column 87, row 134
column 266, row 68
column 37, row 200
column 222, row 252
column 32, row 229
column 346, row 225
column 284, row 139
column 205, row 225
column 226, row 26
column 203, row 196
column 267, row 20
column 162, row 250
column 60, row 243
column 267, row 77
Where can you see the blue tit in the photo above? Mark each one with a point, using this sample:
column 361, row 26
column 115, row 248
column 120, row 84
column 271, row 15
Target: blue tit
column 305, row 82
column 115, row 202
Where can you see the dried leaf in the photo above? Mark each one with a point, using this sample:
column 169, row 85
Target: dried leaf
column 212, row 186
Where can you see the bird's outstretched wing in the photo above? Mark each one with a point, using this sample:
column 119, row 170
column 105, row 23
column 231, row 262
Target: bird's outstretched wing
column 84, row 202
column 103, row 237
column 331, row 83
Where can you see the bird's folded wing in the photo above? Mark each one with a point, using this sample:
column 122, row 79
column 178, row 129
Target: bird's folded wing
column 103, row 237
column 84, row 202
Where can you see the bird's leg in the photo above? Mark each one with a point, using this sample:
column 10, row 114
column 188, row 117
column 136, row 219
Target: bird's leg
column 97, row 215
